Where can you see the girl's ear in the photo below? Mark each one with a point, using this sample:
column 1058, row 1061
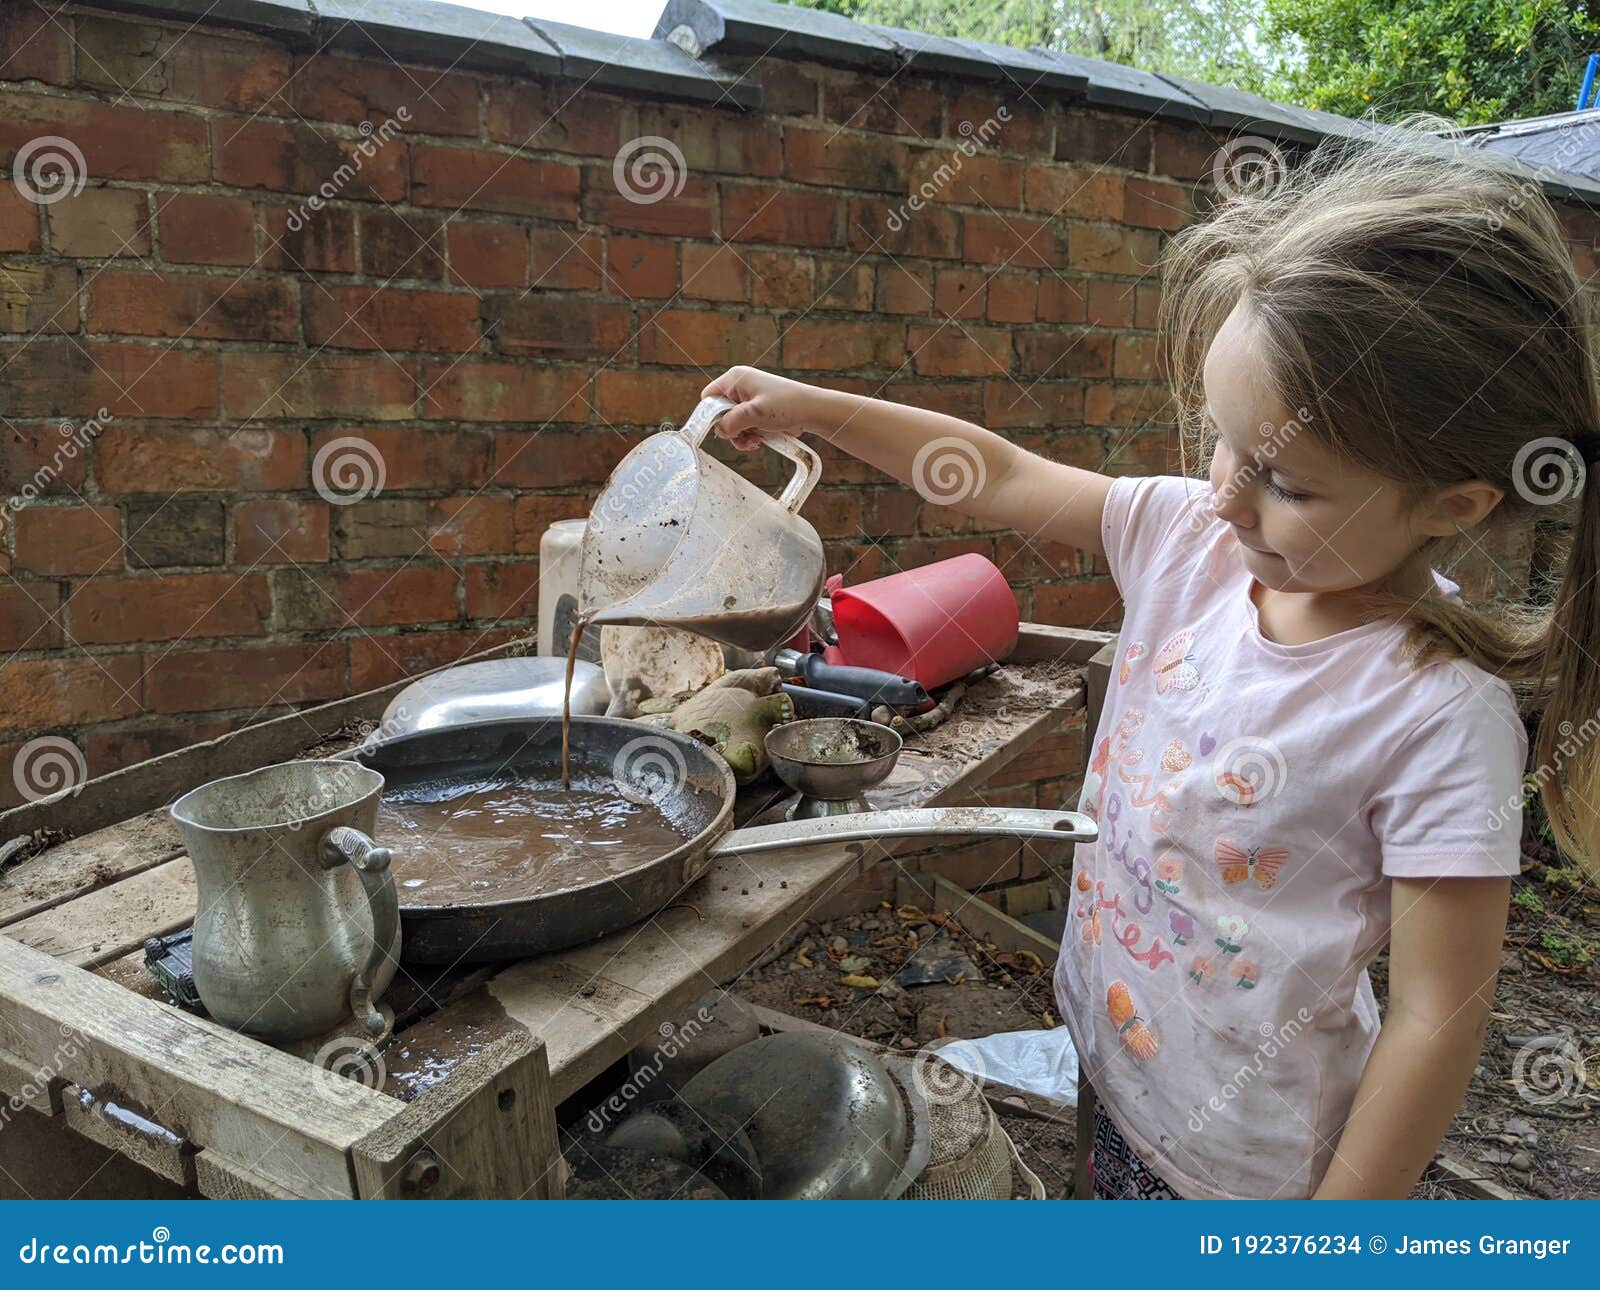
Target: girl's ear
column 1457, row 508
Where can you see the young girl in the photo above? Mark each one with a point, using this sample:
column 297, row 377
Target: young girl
column 1311, row 747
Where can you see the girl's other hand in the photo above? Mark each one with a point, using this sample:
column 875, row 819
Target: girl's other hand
column 765, row 404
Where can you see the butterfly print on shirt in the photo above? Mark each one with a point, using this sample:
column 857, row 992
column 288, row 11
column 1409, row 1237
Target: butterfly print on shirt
column 1174, row 664
column 1260, row 863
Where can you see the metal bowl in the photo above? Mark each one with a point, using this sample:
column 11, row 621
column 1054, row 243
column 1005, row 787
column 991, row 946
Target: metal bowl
column 494, row 689
column 826, row 1119
column 834, row 758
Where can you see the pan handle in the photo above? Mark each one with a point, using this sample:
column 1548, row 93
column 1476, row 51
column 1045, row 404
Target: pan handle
column 918, row 822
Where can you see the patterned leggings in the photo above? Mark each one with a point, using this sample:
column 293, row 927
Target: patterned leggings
column 1117, row 1173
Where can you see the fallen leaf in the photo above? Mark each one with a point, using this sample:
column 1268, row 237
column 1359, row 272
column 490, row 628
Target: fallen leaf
column 857, row 982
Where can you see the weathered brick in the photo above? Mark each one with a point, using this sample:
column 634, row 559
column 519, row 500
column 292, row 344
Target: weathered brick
column 827, row 345
column 1110, row 303
column 196, row 228
column 949, row 175
column 1137, row 358
column 474, row 525
column 168, row 459
column 1183, row 152
column 402, row 246
column 1013, row 297
column 68, row 691
column 464, row 391
column 1061, row 352
column 192, row 307
column 560, row 326
column 715, row 272
column 463, row 178
column 795, row 217
column 649, row 398
column 381, row 528
column 1016, row 241
column 391, row 319
column 28, row 616
column 1153, row 204
column 258, row 676
column 960, row 351
column 100, row 223
column 546, row 458
column 961, row 293
column 904, row 288
column 1103, row 139
column 379, row 660
column 175, row 531
column 689, row 209
column 706, row 337
column 533, row 513
column 1148, row 453
column 844, row 284
column 541, row 115
column 42, row 461
column 296, row 386
column 49, row 378
column 316, row 600
column 640, row 267
column 487, row 255
column 60, row 540
column 313, row 241
column 895, row 229
column 38, row 298
column 1061, row 299
column 781, row 279
column 1073, row 192
column 116, row 142
column 1123, row 405
column 416, row 100
column 415, row 459
column 888, row 106
column 565, row 260
column 1101, row 248
column 182, row 64
column 503, row 589
column 172, row 606
column 849, row 160
column 34, row 45
column 1028, row 559
column 1046, row 404
column 280, row 531
column 1146, row 304
column 1077, row 604
column 975, row 117
column 302, row 159
column 19, row 220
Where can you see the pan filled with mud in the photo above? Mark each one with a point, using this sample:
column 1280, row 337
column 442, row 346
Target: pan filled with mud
column 494, row 859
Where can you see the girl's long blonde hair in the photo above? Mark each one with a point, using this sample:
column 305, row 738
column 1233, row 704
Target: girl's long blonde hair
column 1420, row 302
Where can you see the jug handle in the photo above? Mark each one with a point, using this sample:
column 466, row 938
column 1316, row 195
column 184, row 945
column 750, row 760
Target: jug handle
column 808, row 466
column 345, row 845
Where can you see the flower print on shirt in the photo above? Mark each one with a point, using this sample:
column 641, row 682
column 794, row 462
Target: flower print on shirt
column 1260, row 863
column 1201, row 966
column 1136, row 1036
column 1175, row 669
column 1169, row 873
column 1245, row 972
column 1183, row 930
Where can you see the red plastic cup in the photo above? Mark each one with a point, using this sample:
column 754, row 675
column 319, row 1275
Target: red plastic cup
column 934, row 624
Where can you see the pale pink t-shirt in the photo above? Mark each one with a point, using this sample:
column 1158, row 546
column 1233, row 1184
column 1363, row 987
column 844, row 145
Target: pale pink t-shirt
column 1254, row 800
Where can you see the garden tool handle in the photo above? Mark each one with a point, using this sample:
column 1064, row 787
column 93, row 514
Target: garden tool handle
column 808, row 466
column 345, row 845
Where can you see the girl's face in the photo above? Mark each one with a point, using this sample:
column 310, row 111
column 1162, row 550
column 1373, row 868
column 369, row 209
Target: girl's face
column 1307, row 521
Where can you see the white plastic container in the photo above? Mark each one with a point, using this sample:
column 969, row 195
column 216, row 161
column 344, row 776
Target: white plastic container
column 560, row 559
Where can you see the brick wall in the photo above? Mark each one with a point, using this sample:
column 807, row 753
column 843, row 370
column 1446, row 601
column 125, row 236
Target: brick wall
column 480, row 305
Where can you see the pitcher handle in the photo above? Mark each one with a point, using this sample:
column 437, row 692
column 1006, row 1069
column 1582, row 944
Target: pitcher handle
column 345, row 845
column 807, row 465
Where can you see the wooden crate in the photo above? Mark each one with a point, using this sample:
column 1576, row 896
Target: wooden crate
column 84, row 1041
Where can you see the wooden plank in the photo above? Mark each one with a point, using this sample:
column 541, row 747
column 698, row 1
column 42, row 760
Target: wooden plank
column 486, row 1132
column 977, row 915
column 1472, row 1181
column 1098, row 671
column 69, row 869
column 106, row 799
column 108, row 923
column 289, row 1121
column 219, row 1178
column 26, row 1085
column 1039, row 641
column 1083, row 1138
column 143, row 1141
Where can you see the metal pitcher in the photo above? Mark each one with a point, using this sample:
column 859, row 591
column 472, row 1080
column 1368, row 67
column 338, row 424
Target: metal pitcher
column 298, row 926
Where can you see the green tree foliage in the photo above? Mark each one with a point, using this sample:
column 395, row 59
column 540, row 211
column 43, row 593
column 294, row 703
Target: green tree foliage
column 1471, row 60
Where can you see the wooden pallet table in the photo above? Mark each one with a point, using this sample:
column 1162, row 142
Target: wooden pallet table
column 481, row 1057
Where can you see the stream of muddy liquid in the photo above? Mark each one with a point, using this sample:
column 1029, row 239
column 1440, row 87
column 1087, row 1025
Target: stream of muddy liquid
column 578, row 625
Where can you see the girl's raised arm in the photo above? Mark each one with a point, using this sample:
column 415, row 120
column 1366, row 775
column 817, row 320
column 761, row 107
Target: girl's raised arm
column 947, row 460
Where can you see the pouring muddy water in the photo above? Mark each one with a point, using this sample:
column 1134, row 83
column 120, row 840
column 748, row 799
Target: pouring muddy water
column 677, row 539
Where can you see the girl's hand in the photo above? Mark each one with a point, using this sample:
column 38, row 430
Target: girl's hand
column 767, row 404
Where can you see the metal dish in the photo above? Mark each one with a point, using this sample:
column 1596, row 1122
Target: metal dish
column 825, row 1117
column 493, row 689
column 831, row 762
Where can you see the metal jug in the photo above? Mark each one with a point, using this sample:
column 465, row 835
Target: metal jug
column 298, row 924
column 677, row 539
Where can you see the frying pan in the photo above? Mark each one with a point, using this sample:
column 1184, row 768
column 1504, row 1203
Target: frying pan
column 683, row 778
